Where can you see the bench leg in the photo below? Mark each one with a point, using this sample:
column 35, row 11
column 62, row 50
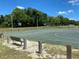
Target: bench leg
column 8, row 41
column 69, row 52
column 21, row 43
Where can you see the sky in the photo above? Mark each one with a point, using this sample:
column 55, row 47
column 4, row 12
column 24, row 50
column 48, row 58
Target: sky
column 67, row 8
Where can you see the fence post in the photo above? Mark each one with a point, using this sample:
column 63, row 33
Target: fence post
column 39, row 47
column 69, row 52
column 25, row 44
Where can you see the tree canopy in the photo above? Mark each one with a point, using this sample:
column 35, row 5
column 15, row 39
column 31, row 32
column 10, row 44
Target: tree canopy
column 33, row 17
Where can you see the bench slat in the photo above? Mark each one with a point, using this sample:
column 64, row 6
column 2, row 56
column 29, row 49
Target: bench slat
column 16, row 39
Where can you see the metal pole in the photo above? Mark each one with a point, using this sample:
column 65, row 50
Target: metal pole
column 37, row 21
column 47, row 21
column 12, row 22
column 69, row 52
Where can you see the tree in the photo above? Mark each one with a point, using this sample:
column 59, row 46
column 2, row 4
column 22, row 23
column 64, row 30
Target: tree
column 20, row 16
column 7, row 21
column 54, row 21
column 33, row 17
column 1, row 19
column 66, row 21
column 61, row 19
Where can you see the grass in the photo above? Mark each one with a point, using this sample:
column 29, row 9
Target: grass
column 7, row 53
column 61, row 50
column 55, row 49
column 35, row 28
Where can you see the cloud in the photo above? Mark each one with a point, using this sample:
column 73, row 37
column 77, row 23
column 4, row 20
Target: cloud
column 61, row 12
column 65, row 12
column 73, row 19
column 20, row 7
column 74, row 2
column 70, row 11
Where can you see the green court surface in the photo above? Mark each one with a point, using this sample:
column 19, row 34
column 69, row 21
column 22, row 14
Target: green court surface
column 52, row 36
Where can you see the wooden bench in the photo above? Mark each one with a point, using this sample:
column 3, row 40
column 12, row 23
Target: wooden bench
column 16, row 39
column 1, row 35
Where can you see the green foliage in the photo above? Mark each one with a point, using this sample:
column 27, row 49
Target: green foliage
column 33, row 17
column 59, row 20
column 1, row 19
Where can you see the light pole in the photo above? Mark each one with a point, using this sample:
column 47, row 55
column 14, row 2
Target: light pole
column 37, row 20
column 47, row 21
column 11, row 21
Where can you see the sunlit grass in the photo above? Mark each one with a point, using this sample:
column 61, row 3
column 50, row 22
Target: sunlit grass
column 61, row 50
column 7, row 53
column 36, row 28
